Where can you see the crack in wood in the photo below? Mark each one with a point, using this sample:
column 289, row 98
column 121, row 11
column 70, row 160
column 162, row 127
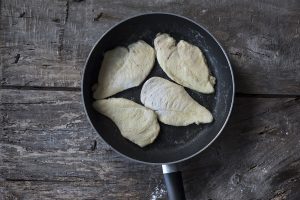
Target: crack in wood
column 83, row 181
column 27, row 103
column 107, row 16
column 246, row 95
column 37, row 180
column 98, row 16
column 61, row 41
column 94, row 145
column 238, row 54
column 22, row 14
column 67, row 11
column 61, row 34
column 262, row 54
column 267, row 129
column 252, row 168
column 15, row 87
column 28, row 83
column 280, row 195
column 17, row 58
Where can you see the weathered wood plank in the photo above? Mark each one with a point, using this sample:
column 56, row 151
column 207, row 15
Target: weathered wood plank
column 53, row 38
column 31, row 38
column 257, row 156
column 48, row 150
column 82, row 190
column 58, row 157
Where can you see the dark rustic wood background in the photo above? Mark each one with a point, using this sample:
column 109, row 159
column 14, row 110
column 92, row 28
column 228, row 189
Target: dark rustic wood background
column 48, row 150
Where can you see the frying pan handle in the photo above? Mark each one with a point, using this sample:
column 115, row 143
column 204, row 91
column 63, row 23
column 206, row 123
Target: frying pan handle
column 173, row 180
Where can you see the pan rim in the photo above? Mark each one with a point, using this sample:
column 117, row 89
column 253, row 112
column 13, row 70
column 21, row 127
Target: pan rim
column 232, row 99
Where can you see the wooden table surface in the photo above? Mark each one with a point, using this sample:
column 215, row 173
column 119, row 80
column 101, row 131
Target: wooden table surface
column 48, row 150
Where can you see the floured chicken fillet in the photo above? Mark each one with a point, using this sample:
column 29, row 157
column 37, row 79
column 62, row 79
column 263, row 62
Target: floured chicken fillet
column 173, row 105
column 124, row 68
column 135, row 122
column 184, row 63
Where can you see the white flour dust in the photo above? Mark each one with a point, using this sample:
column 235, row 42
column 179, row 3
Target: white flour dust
column 158, row 193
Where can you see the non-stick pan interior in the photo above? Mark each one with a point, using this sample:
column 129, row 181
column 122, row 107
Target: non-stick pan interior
column 173, row 143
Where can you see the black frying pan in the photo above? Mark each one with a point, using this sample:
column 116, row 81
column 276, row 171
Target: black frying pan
column 174, row 144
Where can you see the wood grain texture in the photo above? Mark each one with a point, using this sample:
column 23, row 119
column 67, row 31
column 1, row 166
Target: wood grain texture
column 45, row 43
column 48, row 150
column 31, row 38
